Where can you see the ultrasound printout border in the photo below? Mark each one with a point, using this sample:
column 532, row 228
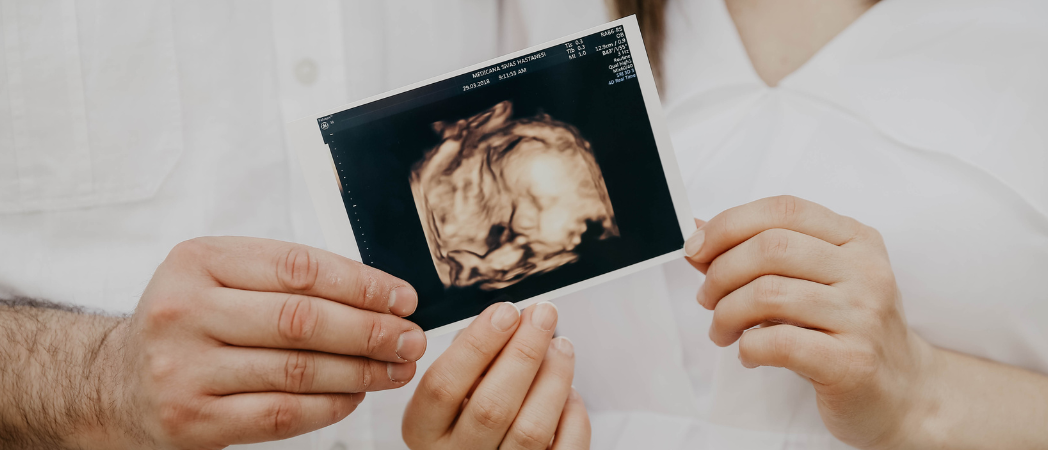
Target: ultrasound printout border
column 317, row 164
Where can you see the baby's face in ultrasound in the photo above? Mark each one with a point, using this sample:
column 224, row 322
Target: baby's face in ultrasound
column 504, row 199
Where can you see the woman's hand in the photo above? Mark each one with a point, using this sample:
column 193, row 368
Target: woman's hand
column 822, row 291
column 504, row 383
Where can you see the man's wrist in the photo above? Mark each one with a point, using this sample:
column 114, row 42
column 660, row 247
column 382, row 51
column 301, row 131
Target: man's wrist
column 112, row 425
column 60, row 386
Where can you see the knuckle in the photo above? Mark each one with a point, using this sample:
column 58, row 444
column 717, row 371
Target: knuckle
column 785, row 207
column 770, row 292
column 528, row 435
column 165, row 311
column 376, row 336
column 527, row 354
column 434, row 385
column 782, row 348
column 299, row 372
column 298, row 269
column 490, row 413
column 283, row 416
column 474, row 344
column 731, row 224
column 365, row 286
column 879, row 293
column 190, row 250
column 774, row 243
column 298, row 319
column 367, row 370
column 857, row 230
column 869, row 232
column 176, row 418
column 161, row 367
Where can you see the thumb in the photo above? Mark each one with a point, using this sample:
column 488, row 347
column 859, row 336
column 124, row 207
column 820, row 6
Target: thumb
column 695, row 240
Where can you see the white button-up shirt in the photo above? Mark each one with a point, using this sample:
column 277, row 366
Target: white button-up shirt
column 126, row 127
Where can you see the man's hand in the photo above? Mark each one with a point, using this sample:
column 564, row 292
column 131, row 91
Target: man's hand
column 240, row 340
column 504, row 383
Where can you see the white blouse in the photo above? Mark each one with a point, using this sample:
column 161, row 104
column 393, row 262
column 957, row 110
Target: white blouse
column 927, row 120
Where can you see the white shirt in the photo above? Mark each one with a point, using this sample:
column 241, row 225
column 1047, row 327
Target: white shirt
column 925, row 119
column 129, row 126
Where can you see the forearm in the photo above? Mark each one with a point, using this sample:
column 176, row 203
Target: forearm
column 975, row 403
column 57, row 383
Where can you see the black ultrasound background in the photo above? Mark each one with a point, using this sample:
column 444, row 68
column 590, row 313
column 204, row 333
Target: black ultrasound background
column 375, row 159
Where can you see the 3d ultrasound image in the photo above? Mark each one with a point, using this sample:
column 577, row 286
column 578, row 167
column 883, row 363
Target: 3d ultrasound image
column 526, row 177
column 503, row 199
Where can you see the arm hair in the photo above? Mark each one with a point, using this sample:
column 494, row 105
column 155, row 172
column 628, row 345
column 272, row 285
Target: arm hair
column 56, row 388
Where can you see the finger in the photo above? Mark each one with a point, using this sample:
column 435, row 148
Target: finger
column 291, row 321
column 274, row 266
column 271, row 416
column 772, row 298
column 573, row 432
column 772, row 252
column 736, row 225
column 809, row 353
column 496, row 401
column 693, row 243
column 439, row 396
column 536, row 423
column 234, row 370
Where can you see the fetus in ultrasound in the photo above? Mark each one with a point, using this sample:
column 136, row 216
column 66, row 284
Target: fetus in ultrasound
column 502, row 199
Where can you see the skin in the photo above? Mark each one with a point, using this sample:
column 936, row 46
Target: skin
column 801, row 287
column 504, row 383
column 781, row 35
column 235, row 340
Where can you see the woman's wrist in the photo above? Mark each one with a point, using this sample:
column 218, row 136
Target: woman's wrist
column 920, row 426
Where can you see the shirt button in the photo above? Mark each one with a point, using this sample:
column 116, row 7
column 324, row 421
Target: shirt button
column 306, row 71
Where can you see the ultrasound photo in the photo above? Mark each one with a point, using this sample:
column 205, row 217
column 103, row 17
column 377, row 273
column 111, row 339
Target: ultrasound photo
column 519, row 180
column 503, row 199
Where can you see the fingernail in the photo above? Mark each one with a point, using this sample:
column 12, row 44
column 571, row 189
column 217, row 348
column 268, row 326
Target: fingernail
column 411, row 345
column 564, row 345
column 700, row 297
column 399, row 371
column 545, row 316
column 403, row 301
column 505, row 316
column 694, row 243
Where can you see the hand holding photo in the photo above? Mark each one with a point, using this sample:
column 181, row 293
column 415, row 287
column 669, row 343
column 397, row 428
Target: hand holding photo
column 521, row 179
